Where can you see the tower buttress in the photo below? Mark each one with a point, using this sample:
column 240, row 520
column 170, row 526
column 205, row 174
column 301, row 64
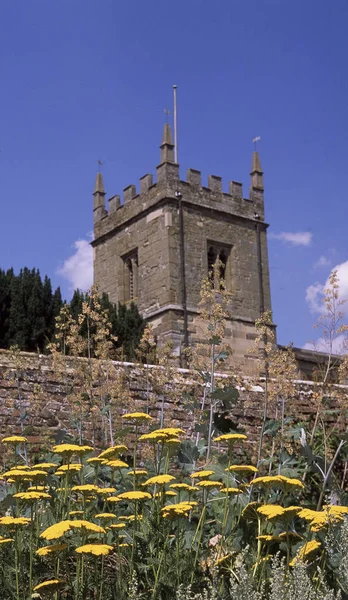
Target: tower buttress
column 99, row 198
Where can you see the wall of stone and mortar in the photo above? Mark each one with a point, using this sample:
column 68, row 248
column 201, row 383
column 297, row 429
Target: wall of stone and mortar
column 149, row 222
column 45, row 397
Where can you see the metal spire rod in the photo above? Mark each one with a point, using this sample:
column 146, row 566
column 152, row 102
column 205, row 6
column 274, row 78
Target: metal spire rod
column 175, row 128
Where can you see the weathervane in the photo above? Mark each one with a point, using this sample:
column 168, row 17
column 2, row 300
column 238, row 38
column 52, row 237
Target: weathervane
column 167, row 113
column 255, row 140
column 99, row 164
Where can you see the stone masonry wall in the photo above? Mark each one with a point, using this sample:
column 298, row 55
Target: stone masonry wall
column 36, row 398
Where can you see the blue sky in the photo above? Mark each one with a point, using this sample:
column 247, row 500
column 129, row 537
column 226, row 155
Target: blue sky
column 89, row 79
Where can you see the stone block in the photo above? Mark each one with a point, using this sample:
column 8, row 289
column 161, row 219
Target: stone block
column 129, row 193
column 215, row 183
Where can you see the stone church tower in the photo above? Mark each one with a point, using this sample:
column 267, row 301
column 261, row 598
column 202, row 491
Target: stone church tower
column 157, row 246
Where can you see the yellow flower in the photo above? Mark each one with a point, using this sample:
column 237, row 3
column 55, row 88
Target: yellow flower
column 29, row 496
column 37, row 474
column 63, row 469
column 45, row 466
column 69, row 449
column 201, row 474
column 95, row 459
column 242, row 469
column 137, row 472
column 291, row 483
column 117, row 464
column 75, row 513
column 335, row 508
column 113, row 499
column 152, row 437
column 137, row 416
column 169, row 431
column 50, row 583
column 270, row 511
column 130, row 517
column 320, row 519
column 209, row 484
column 113, row 451
column 15, row 474
column 117, row 526
column 172, row 441
column 267, row 480
column 38, row 488
column 182, row 509
column 230, row 490
column 95, row 549
column 56, row 531
column 306, row 551
column 134, row 496
column 14, row 439
column 105, row 516
column 5, row 540
column 106, row 491
column 85, row 489
column 180, row 486
column 268, row 538
column 125, row 545
column 87, row 525
column 230, row 437
column 166, row 493
column 46, row 550
column 159, row 480
column 14, row 521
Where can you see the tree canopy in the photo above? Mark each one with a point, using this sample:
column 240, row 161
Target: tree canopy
column 29, row 308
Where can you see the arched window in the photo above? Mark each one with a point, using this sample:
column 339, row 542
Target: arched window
column 223, row 265
column 221, row 254
column 131, row 277
column 211, row 263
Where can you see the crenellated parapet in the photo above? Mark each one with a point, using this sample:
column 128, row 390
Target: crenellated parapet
column 150, row 190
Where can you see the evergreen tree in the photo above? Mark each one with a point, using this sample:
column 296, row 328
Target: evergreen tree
column 27, row 310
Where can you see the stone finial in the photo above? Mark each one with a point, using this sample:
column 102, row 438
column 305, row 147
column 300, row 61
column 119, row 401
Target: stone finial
column 167, row 146
column 99, row 184
column 256, row 172
column 99, row 198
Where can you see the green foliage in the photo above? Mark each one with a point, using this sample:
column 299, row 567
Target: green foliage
column 126, row 323
column 28, row 308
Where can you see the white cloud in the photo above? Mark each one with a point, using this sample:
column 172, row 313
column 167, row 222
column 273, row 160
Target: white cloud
column 299, row 238
column 322, row 261
column 78, row 268
column 314, row 297
column 315, row 293
column 339, row 345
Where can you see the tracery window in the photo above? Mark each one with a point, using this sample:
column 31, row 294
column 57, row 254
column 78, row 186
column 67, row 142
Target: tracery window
column 218, row 256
